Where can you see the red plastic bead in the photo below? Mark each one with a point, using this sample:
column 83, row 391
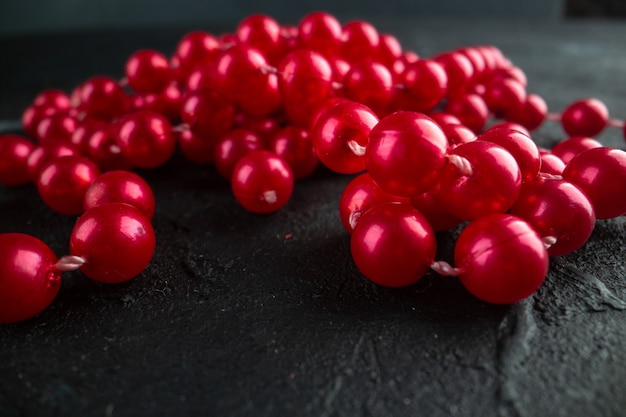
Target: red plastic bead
column 504, row 96
column 340, row 134
column 431, row 207
column 263, row 33
column 470, row 109
column 63, row 182
column 120, row 187
column 168, row 102
column 194, row 50
column 492, row 185
column 320, row 32
column 262, row 182
column 570, row 147
column 115, row 239
column 393, row 245
column 29, row 282
column 501, row 259
column 56, row 99
column 148, row 71
column 146, row 139
column 531, row 114
column 84, row 129
column 369, row 83
column 102, row 148
column 41, row 155
column 197, row 149
column 551, row 164
column 556, row 209
column 32, row 115
column 424, row 85
column 522, row 147
column 459, row 72
column 102, row 98
column 14, row 153
column 208, row 113
column 406, row 153
column 601, row 174
column 586, row 117
column 359, row 39
column 57, row 127
column 389, row 49
column 232, row 147
column 457, row 134
column 294, row 145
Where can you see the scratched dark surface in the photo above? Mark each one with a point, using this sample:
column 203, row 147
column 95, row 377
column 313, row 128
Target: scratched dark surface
column 245, row 315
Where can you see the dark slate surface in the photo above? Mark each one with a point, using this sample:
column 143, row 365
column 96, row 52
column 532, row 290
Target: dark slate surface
column 246, row 315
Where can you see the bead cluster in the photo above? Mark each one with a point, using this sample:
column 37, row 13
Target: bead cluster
column 266, row 104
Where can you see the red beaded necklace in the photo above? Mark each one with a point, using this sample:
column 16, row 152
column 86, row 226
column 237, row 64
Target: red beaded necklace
column 266, row 104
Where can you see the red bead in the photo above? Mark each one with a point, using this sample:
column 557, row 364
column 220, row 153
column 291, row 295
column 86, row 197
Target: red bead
column 33, row 115
column 470, row 109
column 84, row 129
column 359, row 39
column 202, row 78
column 148, row 71
column 556, row 209
column 120, row 187
column 370, row 84
column 457, row 134
column 28, row 282
column 197, row 149
column 504, row 96
column 103, row 150
column 510, row 125
column 263, row 33
column 521, row 147
column 502, row 260
column 389, row 49
column 262, row 182
column 196, row 49
column 340, row 134
column 14, row 153
column 102, row 98
column 476, row 59
column 56, row 99
column 551, row 164
column 115, row 239
column 586, row 117
column 305, row 82
column 406, row 153
column 601, row 174
column 146, row 139
column 294, row 145
column 459, row 72
column 431, row 207
column 320, row 32
column 232, row 147
column 492, row 186
column 208, row 113
column 393, row 245
column 570, row 147
column 531, row 114
column 63, row 182
column 57, row 127
column 265, row 127
column 168, row 102
column 424, row 85
column 41, row 155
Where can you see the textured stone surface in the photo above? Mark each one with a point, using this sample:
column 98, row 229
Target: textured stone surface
column 246, row 315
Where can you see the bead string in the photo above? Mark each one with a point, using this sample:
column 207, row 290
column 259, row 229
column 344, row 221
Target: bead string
column 272, row 102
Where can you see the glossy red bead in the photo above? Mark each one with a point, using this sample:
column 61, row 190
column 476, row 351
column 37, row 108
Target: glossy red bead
column 168, row 102
column 531, row 114
column 521, row 147
column 406, row 153
column 195, row 49
column 56, row 99
column 570, row 147
column 197, row 149
column 459, row 72
column 457, row 134
column 146, row 139
column 556, row 209
column 492, row 185
column 586, row 117
column 504, row 96
column 14, row 153
column 148, row 71
column 208, row 113
column 262, row 182
column 471, row 111
column 340, row 134
column 58, row 127
column 32, row 115
column 63, row 182
column 601, row 174
column 369, row 83
column 120, row 187
column 551, row 164
column 103, row 150
column 263, row 33
column 115, row 239
column 424, row 84
column 232, row 147
column 433, row 209
column 102, row 98
column 28, row 281
column 294, row 145
column 320, row 32
column 389, row 50
column 393, row 245
column 359, row 39
column 41, row 155
column 501, row 259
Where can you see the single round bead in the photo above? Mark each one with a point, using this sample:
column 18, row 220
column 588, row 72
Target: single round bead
column 102, row 98
column 369, row 83
column 570, row 147
column 459, row 72
column 195, row 49
column 32, row 115
column 263, row 33
column 586, row 117
column 360, row 195
column 393, row 245
column 476, row 59
column 406, row 153
column 551, row 164
column 359, row 39
column 168, row 102
column 502, row 260
column 389, row 50
column 84, row 129
column 504, row 96
column 424, row 85
column 531, row 114
column 558, row 209
column 43, row 154
column 146, row 139
column 521, row 147
column 232, row 147
column 262, row 182
column 115, row 239
column 208, row 113
column 63, row 182
column 320, row 32
column 58, row 127
column 197, row 149
column 14, row 153
column 294, row 145
column 120, row 187
column 457, row 134
column 340, row 134
column 305, row 82
column 471, row 111
column 28, row 281
column 202, row 78
column 148, row 71
column 601, row 174
column 56, row 99
column 492, row 186
column 103, row 150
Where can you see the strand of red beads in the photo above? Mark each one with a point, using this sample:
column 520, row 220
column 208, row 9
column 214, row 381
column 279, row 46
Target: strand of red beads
column 266, row 104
